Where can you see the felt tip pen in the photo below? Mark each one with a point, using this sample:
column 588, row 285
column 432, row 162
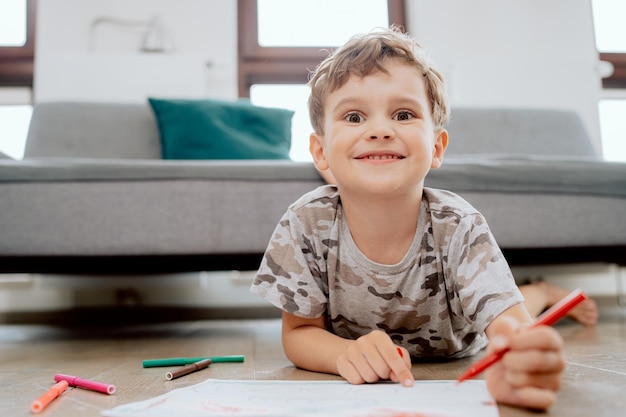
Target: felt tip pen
column 75, row 381
column 42, row 402
column 548, row 318
column 196, row 366
column 151, row 363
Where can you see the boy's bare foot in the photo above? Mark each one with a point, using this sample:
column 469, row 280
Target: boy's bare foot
column 585, row 312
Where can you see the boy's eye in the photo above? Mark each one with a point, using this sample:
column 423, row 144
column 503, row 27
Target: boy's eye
column 403, row 115
column 353, row 118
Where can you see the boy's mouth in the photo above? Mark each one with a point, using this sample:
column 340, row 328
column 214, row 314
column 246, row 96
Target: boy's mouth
column 380, row 156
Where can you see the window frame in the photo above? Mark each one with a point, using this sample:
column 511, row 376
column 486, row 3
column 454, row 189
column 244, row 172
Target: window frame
column 281, row 65
column 17, row 62
column 618, row 78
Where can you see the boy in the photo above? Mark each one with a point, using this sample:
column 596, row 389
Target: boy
column 378, row 270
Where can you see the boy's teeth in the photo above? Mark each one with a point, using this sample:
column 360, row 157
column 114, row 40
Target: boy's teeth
column 382, row 157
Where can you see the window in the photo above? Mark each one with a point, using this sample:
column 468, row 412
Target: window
column 293, row 97
column 610, row 34
column 613, row 129
column 281, row 41
column 14, row 122
column 13, row 23
column 17, row 34
column 17, row 42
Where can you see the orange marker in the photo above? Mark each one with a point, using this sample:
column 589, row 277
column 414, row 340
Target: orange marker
column 548, row 318
column 42, row 402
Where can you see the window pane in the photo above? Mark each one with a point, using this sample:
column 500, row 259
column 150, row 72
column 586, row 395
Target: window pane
column 293, row 97
column 609, row 27
column 14, row 122
column 12, row 22
column 613, row 129
column 307, row 23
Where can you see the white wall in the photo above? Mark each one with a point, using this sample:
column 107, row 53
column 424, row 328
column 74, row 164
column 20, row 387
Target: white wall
column 76, row 61
column 516, row 53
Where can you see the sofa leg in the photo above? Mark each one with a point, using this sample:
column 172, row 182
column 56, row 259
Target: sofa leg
column 128, row 296
column 619, row 285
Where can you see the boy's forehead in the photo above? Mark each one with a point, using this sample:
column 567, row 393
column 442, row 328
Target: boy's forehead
column 410, row 88
column 385, row 69
column 389, row 69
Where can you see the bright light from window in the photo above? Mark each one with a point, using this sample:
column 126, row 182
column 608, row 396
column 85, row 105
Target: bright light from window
column 609, row 28
column 293, row 97
column 309, row 23
column 12, row 22
column 613, row 129
column 14, row 122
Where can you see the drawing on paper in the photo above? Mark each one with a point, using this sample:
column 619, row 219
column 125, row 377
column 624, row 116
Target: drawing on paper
column 217, row 398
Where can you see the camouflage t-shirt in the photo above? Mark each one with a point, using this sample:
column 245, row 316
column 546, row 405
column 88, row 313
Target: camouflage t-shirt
column 436, row 302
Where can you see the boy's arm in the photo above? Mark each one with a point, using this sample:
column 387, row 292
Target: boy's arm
column 529, row 374
column 309, row 345
column 370, row 358
column 517, row 312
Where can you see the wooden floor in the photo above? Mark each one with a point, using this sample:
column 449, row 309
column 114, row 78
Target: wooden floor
column 31, row 354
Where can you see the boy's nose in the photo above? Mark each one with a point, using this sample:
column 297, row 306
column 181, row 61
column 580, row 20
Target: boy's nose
column 381, row 130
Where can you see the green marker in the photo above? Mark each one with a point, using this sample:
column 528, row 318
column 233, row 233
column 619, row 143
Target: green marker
column 152, row 363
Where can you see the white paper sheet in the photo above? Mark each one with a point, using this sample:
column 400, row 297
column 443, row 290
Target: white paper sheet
column 316, row 398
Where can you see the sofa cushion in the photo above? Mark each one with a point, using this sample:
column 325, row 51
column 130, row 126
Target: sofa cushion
column 215, row 129
column 85, row 129
column 480, row 132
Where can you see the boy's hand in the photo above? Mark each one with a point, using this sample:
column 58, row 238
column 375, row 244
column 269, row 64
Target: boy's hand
column 375, row 357
column 530, row 373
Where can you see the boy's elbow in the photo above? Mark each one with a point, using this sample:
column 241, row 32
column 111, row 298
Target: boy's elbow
column 299, row 351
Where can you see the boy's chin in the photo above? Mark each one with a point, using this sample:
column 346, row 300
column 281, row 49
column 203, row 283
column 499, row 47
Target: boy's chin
column 386, row 187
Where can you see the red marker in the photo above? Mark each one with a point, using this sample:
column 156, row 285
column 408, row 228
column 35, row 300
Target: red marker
column 75, row 381
column 549, row 317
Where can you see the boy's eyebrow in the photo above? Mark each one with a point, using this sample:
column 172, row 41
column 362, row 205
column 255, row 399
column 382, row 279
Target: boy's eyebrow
column 349, row 101
column 411, row 101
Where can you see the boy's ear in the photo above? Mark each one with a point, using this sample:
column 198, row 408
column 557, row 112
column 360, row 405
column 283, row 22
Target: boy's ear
column 316, row 147
column 441, row 143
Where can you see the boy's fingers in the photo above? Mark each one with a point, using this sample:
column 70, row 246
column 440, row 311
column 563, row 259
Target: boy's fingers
column 531, row 397
column 355, row 371
column 389, row 364
column 535, row 361
column 375, row 357
column 405, row 377
column 400, row 364
column 366, row 368
column 540, row 337
column 369, row 359
column 550, row 381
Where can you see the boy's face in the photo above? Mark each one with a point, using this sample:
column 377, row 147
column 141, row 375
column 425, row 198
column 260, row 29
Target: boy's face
column 379, row 134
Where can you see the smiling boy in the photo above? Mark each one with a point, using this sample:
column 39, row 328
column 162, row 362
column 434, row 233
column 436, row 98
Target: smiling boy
column 378, row 270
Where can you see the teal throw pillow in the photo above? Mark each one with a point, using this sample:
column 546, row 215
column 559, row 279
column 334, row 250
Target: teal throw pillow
column 216, row 129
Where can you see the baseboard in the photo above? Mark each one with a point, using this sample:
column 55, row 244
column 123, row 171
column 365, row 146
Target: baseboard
column 116, row 316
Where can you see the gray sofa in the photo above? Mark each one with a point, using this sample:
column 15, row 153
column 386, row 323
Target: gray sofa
column 93, row 195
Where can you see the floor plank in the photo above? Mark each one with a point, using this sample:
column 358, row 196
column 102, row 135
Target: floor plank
column 31, row 354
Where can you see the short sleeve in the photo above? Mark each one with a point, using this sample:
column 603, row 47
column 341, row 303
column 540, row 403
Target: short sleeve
column 291, row 276
column 482, row 278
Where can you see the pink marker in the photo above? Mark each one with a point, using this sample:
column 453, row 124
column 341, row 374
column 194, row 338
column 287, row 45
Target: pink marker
column 75, row 381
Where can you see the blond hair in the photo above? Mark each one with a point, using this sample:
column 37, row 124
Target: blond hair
column 364, row 54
